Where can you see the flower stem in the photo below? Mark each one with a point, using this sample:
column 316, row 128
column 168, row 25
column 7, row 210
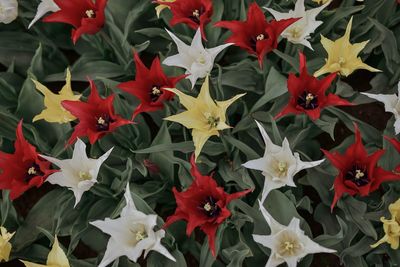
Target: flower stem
column 116, row 49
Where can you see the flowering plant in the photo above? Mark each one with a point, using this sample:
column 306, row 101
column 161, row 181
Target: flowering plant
column 199, row 133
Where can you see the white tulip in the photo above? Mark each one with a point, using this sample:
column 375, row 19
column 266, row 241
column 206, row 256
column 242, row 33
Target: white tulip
column 8, row 11
column 287, row 243
column 197, row 60
column 278, row 165
column 131, row 234
column 300, row 31
column 79, row 174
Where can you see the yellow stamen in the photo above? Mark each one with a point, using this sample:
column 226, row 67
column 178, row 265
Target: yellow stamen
column 207, row 207
column 31, row 171
column 140, row 235
column 359, row 174
column 282, row 167
column 101, row 121
column 196, row 13
column 155, row 91
column 85, row 175
column 212, row 121
column 309, row 98
column 89, row 13
column 260, row 37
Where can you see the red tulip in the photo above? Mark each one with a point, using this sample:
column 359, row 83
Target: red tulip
column 149, row 85
column 308, row 94
column 203, row 205
column 194, row 13
column 256, row 35
column 24, row 168
column 358, row 171
column 86, row 16
column 96, row 117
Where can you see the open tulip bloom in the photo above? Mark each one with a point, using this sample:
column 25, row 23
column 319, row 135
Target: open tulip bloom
column 203, row 205
column 358, row 171
column 149, row 85
column 300, row 31
column 279, row 164
column 86, row 16
column 308, row 94
column 5, row 245
column 197, row 60
column 288, row 244
column 392, row 105
column 96, row 117
column 24, row 168
column 256, row 35
column 194, row 13
column 204, row 116
column 343, row 55
column 131, row 234
column 54, row 111
column 78, row 174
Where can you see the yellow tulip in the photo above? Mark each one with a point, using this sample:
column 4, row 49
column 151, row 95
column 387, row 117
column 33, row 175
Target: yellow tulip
column 161, row 7
column 5, row 245
column 391, row 227
column 54, row 111
column 56, row 258
column 204, row 116
column 342, row 55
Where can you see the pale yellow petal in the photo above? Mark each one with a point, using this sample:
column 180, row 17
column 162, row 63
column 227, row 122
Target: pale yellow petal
column 328, row 45
column 160, row 8
column 348, row 30
column 67, row 89
column 31, row 264
column 323, row 70
column 224, row 105
column 199, row 139
column 186, row 100
column 204, row 95
column 57, row 256
column 190, row 119
column 380, row 242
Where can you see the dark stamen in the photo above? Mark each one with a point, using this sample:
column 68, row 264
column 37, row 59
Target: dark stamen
column 103, row 123
column 196, row 14
column 358, row 175
column 256, row 38
column 155, row 93
column 307, row 100
column 209, row 207
column 32, row 171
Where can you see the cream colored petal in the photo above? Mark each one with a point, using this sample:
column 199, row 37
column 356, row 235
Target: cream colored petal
column 190, row 119
column 199, row 139
column 348, row 30
column 186, row 100
column 57, row 256
column 67, row 89
column 224, row 105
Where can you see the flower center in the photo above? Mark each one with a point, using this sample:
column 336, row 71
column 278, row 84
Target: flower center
column 289, row 245
column 257, row 38
column 295, row 32
column 260, row 37
column 196, row 14
column 103, row 123
column 85, row 175
column 90, row 13
column 139, row 233
column 212, row 121
column 33, row 171
column 358, row 175
column 282, row 168
column 209, row 207
column 155, row 93
column 201, row 59
column 307, row 100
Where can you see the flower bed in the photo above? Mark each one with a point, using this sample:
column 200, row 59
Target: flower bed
column 199, row 133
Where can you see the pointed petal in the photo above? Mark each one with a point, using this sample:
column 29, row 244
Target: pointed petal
column 199, row 139
column 389, row 101
column 269, row 146
column 57, row 256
